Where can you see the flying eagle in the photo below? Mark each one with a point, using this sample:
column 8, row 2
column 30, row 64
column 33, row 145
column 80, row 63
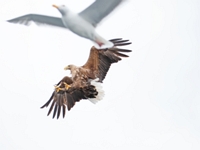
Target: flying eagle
column 85, row 81
column 82, row 24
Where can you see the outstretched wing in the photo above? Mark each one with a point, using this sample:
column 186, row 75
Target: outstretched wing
column 68, row 97
column 38, row 19
column 98, row 10
column 99, row 60
column 62, row 99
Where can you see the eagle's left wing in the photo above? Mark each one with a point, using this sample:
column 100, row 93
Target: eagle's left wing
column 62, row 99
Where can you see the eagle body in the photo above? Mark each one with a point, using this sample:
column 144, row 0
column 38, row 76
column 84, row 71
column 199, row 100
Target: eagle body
column 85, row 81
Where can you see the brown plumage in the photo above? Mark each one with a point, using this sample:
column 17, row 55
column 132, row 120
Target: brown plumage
column 83, row 83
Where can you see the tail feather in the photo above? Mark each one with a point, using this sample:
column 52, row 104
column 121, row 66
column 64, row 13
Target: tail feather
column 99, row 89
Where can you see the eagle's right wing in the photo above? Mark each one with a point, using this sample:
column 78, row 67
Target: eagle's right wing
column 100, row 60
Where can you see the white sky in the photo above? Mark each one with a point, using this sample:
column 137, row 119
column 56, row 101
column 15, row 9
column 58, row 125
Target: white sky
column 152, row 99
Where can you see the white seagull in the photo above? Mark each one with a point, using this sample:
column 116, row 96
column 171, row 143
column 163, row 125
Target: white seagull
column 82, row 24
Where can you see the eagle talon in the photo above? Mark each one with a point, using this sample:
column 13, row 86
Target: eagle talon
column 67, row 86
column 57, row 88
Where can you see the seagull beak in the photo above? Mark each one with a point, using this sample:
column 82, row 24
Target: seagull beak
column 55, row 6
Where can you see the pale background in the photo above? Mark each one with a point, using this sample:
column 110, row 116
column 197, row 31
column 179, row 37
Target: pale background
column 152, row 98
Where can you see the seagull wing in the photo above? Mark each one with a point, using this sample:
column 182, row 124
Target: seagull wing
column 98, row 10
column 38, row 19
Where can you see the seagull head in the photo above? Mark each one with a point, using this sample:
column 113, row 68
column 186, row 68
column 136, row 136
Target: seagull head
column 62, row 9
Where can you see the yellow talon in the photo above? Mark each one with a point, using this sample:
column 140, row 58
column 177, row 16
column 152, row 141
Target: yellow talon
column 57, row 88
column 67, row 86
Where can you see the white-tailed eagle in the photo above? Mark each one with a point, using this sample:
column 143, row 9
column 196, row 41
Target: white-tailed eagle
column 86, row 80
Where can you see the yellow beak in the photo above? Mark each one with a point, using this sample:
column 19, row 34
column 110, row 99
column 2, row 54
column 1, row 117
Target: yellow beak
column 66, row 68
column 55, row 6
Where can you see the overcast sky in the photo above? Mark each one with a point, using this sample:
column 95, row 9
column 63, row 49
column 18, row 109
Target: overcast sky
column 152, row 98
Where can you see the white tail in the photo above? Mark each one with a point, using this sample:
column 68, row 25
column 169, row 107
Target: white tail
column 99, row 89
